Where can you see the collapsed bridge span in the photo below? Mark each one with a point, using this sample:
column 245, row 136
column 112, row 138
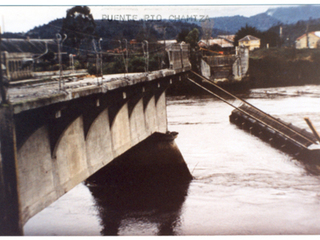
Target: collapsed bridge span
column 248, row 117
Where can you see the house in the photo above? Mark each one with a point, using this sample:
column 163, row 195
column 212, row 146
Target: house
column 224, row 41
column 309, row 40
column 249, row 41
column 229, row 38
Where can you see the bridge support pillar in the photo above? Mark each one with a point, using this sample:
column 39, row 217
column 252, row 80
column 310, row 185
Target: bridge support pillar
column 10, row 224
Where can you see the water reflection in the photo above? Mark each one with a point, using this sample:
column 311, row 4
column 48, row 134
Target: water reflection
column 146, row 204
column 142, row 191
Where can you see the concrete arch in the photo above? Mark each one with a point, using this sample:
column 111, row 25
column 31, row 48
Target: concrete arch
column 161, row 108
column 114, row 109
column 27, row 123
column 99, row 142
column 58, row 126
column 137, row 123
column 70, row 158
column 120, row 131
column 132, row 103
column 146, row 100
column 34, row 166
column 150, row 114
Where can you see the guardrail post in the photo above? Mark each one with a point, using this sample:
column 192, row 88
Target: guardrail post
column 181, row 54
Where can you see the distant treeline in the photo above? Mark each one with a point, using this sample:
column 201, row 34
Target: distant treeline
column 112, row 31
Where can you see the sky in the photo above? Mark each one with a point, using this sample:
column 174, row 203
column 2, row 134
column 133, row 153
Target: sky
column 18, row 17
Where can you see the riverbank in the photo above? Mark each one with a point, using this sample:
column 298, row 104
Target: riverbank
column 278, row 67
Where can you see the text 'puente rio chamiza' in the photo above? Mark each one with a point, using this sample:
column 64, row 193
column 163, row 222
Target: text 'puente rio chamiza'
column 53, row 139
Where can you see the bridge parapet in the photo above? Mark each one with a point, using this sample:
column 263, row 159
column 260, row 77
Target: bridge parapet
column 28, row 97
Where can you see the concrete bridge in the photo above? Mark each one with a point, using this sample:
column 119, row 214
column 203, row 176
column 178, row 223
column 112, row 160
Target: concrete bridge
column 51, row 139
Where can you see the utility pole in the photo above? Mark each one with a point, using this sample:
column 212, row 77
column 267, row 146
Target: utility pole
column 60, row 41
column 101, row 59
column 97, row 56
column 71, row 62
column 98, row 59
column 146, row 54
column 59, row 57
column 100, row 62
column 164, row 45
column 126, row 60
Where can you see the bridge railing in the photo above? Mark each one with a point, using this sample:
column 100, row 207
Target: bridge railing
column 20, row 65
column 17, row 65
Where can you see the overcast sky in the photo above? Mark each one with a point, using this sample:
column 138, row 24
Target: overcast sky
column 21, row 18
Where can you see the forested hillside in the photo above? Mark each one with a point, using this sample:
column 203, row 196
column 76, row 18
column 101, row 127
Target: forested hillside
column 294, row 21
column 112, row 31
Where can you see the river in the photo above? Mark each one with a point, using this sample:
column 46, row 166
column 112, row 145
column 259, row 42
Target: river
column 241, row 185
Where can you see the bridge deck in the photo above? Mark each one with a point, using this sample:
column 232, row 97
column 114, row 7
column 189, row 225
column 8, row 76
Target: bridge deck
column 35, row 95
column 287, row 129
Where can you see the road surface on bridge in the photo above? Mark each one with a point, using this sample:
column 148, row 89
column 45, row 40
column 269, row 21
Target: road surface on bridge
column 32, row 91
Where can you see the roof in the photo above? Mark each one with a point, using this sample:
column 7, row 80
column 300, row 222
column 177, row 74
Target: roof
column 36, row 46
column 168, row 42
column 316, row 33
column 248, row 38
column 227, row 37
column 219, row 41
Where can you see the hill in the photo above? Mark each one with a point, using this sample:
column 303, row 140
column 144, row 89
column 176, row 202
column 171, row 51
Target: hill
column 232, row 24
column 268, row 19
column 290, row 15
column 112, row 31
column 115, row 30
column 293, row 19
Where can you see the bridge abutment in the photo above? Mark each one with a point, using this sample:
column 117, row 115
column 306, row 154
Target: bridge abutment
column 10, row 221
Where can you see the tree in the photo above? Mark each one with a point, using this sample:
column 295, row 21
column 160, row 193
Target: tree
column 270, row 37
column 79, row 26
column 192, row 38
column 244, row 31
column 147, row 32
column 182, row 35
